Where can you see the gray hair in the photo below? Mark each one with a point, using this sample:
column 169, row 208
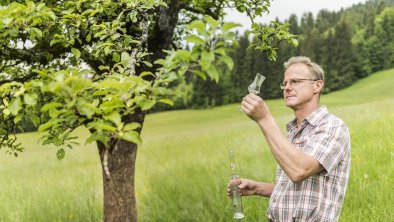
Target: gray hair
column 314, row 68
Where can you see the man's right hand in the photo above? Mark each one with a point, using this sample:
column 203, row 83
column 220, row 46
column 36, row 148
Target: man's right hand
column 246, row 187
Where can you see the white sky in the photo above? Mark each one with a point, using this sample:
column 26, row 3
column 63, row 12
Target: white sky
column 284, row 8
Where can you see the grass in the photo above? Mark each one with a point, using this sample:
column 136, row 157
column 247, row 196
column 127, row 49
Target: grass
column 182, row 165
column 38, row 187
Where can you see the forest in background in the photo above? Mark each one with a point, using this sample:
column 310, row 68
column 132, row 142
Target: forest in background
column 349, row 44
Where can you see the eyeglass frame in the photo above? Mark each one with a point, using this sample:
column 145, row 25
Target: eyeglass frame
column 295, row 81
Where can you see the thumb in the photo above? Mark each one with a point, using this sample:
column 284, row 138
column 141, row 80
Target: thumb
column 243, row 183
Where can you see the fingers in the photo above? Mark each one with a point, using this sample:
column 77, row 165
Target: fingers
column 251, row 98
column 250, row 101
column 237, row 182
column 252, row 105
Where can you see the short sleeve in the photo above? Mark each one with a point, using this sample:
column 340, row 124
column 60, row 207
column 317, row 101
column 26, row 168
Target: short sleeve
column 329, row 144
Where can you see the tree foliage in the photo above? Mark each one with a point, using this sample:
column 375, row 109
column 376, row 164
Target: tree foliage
column 45, row 44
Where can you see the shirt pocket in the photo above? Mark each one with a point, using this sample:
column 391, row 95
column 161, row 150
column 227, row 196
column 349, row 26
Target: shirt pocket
column 306, row 211
column 304, row 145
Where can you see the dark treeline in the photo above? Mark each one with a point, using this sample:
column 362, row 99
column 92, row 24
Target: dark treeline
column 349, row 45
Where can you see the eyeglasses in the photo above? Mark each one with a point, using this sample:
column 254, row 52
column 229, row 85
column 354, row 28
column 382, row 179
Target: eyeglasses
column 294, row 82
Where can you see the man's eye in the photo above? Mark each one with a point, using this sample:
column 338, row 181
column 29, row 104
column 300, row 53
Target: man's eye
column 294, row 81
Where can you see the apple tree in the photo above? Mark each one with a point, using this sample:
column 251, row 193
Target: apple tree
column 104, row 64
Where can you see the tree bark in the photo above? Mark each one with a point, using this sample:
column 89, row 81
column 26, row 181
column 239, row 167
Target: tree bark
column 119, row 196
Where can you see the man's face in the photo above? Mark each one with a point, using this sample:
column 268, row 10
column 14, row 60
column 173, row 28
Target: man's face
column 299, row 88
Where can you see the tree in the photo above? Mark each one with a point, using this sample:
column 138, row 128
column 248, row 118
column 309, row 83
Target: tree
column 103, row 65
column 343, row 72
column 382, row 44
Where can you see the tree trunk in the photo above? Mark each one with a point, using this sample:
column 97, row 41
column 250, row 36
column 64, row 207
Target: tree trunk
column 119, row 196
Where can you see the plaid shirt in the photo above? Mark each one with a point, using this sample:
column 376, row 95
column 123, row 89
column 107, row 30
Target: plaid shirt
column 320, row 197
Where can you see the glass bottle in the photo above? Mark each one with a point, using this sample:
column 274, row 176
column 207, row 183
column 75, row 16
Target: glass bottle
column 235, row 196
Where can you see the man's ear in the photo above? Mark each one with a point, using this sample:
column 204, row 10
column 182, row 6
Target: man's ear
column 318, row 86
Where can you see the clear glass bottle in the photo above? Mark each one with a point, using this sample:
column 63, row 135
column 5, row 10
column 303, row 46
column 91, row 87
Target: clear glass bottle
column 236, row 197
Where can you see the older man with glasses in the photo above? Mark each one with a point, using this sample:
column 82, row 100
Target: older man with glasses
column 314, row 159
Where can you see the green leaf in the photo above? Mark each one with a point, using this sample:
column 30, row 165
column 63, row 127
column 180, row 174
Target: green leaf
column 15, row 106
column 198, row 25
column 60, row 153
column 104, row 67
column 221, row 51
column 208, row 56
column 200, row 74
column 131, row 136
column 125, row 59
column 36, row 32
column 146, row 104
column 51, row 105
column 110, row 106
column 133, row 16
column 30, row 99
column 6, row 112
column 88, row 110
column 47, row 125
column 34, row 118
column 229, row 25
column 76, row 52
column 146, row 73
column 114, row 117
column 98, row 136
column 213, row 73
column 206, row 59
column 184, row 55
column 214, row 24
column 160, row 62
column 115, row 57
column 147, row 63
column 228, row 61
column 195, row 39
column 18, row 118
column 89, row 37
column 7, row 21
column 101, row 125
column 167, row 101
column 294, row 42
column 131, row 126
column 54, row 41
column 107, row 50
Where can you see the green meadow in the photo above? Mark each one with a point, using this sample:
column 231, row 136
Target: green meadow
column 183, row 164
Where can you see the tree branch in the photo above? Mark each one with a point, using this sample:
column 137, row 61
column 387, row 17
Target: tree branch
column 20, row 79
column 205, row 11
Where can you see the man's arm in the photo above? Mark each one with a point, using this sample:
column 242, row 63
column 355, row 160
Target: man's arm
column 297, row 165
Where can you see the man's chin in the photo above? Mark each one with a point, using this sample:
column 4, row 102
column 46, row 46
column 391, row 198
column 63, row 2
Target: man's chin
column 291, row 106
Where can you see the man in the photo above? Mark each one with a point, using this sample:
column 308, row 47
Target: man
column 314, row 159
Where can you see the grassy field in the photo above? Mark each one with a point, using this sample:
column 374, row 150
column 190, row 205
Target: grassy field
column 182, row 166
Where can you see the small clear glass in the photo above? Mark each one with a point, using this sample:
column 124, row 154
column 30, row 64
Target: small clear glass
column 254, row 87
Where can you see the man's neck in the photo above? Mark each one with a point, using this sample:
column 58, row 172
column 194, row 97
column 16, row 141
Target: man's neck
column 302, row 113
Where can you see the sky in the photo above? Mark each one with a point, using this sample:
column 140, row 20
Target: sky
column 284, row 8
